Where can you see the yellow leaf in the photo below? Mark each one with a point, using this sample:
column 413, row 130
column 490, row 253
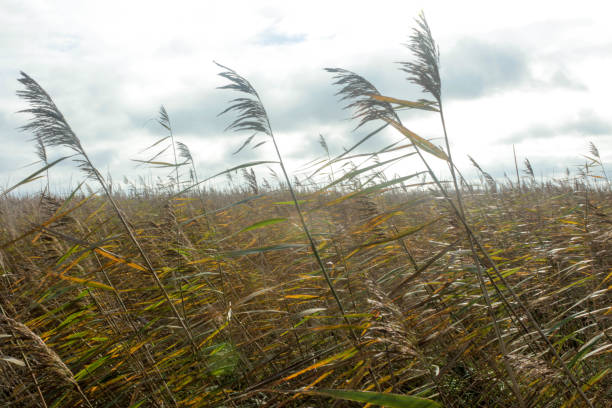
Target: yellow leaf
column 342, row 326
column 202, row 260
column 206, row 340
column 418, row 140
column 343, row 355
column 119, row 259
column 301, row 297
column 312, row 384
column 403, row 102
column 570, row 222
column 57, row 216
column 85, row 282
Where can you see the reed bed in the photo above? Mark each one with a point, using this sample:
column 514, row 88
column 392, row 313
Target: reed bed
column 344, row 288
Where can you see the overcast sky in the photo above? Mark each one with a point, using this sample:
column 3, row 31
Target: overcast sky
column 533, row 74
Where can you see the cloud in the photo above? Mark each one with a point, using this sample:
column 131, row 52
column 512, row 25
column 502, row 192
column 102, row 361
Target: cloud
column 298, row 110
column 473, row 68
column 308, row 103
column 194, row 115
column 589, row 124
column 104, row 155
column 586, row 123
column 15, row 151
column 561, row 79
column 109, row 83
column 272, row 36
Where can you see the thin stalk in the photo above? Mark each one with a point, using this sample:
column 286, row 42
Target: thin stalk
column 136, row 332
column 313, row 246
column 50, row 126
column 483, row 288
column 39, row 340
column 425, row 72
column 461, row 215
column 515, row 297
column 315, row 252
column 518, row 178
column 165, row 122
column 148, row 263
column 369, row 107
column 176, row 172
column 253, row 116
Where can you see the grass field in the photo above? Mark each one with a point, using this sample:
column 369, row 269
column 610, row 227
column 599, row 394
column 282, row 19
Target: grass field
column 343, row 289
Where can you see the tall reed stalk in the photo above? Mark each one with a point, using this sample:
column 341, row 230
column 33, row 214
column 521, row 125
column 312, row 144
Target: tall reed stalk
column 252, row 116
column 51, row 128
column 370, row 105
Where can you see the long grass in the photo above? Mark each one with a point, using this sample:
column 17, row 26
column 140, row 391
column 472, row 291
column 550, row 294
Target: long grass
column 341, row 287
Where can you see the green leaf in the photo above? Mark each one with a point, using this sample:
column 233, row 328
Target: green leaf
column 263, row 249
column 33, row 176
column 139, row 403
column 246, row 200
column 67, row 254
column 289, row 202
column 89, row 369
column 585, row 349
column 335, row 159
column 400, row 235
column 596, row 378
column 355, row 173
column 374, row 188
column 70, row 318
column 379, row 398
column 263, row 224
column 223, row 360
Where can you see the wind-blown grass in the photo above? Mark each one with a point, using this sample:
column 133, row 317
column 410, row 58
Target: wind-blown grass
column 345, row 285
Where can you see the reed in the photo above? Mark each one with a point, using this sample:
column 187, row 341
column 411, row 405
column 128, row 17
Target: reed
column 336, row 285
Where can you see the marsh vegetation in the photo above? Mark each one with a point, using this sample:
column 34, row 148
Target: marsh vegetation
column 341, row 288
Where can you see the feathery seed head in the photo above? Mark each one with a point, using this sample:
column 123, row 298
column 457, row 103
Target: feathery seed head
column 425, row 71
column 48, row 124
column 252, row 115
column 358, row 91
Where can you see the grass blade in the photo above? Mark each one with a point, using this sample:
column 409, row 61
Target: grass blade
column 379, row 398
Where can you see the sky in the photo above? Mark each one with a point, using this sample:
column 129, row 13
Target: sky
column 535, row 75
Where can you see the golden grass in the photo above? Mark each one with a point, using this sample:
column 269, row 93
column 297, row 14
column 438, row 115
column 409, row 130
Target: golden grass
column 263, row 320
column 398, row 292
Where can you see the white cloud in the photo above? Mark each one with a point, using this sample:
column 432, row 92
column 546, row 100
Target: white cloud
column 109, row 65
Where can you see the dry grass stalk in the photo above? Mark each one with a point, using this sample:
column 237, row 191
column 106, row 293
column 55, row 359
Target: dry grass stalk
column 49, row 367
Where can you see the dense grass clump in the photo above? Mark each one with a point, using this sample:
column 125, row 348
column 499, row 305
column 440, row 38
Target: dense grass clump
column 345, row 287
